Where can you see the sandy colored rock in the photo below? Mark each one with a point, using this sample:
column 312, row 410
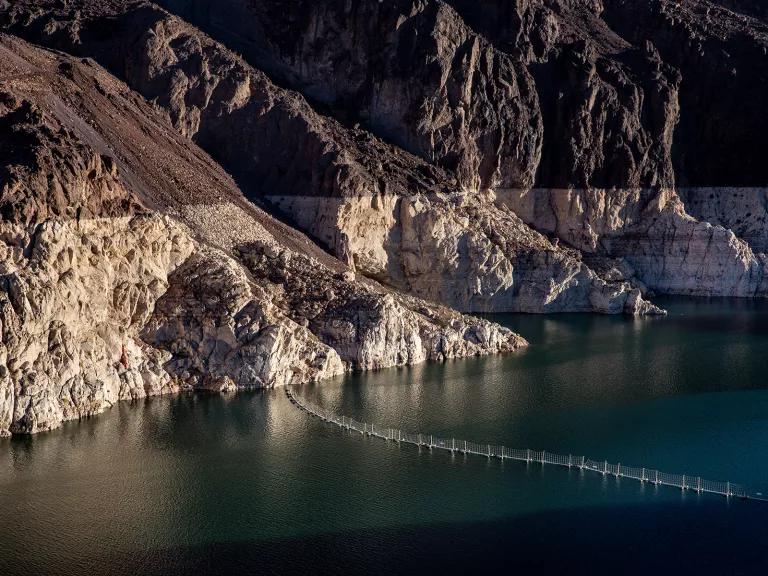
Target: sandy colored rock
column 123, row 272
column 450, row 156
column 350, row 191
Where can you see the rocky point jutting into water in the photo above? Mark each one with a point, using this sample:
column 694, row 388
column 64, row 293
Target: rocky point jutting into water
column 133, row 266
column 442, row 157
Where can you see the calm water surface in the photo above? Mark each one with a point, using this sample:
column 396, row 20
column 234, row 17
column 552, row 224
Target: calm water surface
column 246, row 484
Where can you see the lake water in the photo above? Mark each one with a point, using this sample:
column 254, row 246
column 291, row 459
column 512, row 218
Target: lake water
column 248, row 483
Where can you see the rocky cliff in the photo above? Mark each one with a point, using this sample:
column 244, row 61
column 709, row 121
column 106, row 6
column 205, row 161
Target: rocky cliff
column 442, row 156
column 388, row 213
column 133, row 266
column 626, row 88
column 612, row 105
column 756, row 8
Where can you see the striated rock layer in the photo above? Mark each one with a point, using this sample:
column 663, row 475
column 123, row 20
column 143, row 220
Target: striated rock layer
column 483, row 156
column 131, row 265
column 389, row 214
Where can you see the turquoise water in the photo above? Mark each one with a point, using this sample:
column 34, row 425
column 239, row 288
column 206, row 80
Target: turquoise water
column 242, row 484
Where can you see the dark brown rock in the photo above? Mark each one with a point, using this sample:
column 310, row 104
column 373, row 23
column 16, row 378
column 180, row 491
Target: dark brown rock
column 722, row 57
column 411, row 72
column 48, row 173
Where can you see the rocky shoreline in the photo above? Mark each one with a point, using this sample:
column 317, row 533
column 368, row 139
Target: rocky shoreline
column 120, row 283
column 235, row 195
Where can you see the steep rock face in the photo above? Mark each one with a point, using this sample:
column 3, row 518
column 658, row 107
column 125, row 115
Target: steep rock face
column 676, row 254
column 120, row 272
column 467, row 251
column 756, row 8
column 473, row 110
column 370, row 327
column 610, row 111
column 667, row 249
column 609, row 122
column 343, row 186
column 742, row 210
column 618, row 103
column 609, row 108
column 537, row 27
column 721, row 56
column 581, row 217
column 710, row 46
column 73, row 298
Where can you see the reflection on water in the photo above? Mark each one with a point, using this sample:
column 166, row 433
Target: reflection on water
column 683, row 393
column 220, row 484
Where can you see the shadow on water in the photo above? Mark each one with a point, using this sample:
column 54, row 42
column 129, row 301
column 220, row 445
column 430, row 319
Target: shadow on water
column 647, row 539
column 200, row 484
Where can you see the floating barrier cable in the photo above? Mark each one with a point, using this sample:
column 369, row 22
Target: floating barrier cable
column 685, row 482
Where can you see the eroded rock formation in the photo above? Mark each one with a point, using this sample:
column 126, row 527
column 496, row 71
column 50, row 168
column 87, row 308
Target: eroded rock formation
column 480, row 156
column 386, row 212
column 128, row 264
column 620, row 89
column 474, row 110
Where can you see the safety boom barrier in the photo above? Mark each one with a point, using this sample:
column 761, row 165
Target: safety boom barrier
column 430, row 441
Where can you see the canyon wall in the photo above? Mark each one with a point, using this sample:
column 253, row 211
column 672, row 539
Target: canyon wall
column 619, row 90
column 440, row 156
column 348, row 189
column 133, row 266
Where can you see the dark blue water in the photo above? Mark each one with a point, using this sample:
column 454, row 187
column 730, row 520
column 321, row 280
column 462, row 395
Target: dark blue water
column 246, row 484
